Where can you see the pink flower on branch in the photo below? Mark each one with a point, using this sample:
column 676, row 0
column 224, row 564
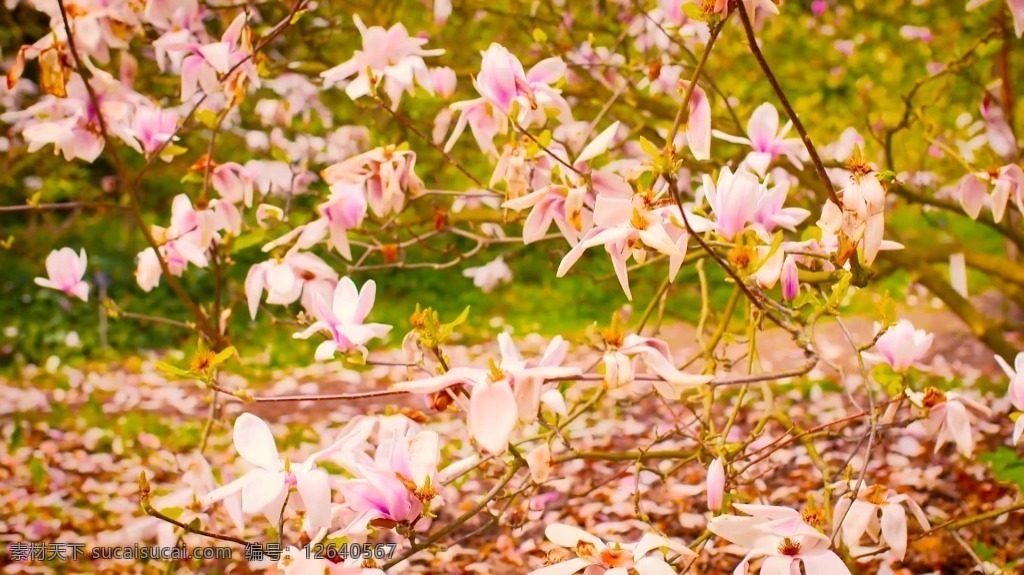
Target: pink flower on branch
column 65, row 270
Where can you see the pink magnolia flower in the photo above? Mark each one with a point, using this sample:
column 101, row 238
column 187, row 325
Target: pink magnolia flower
column 781, row 537
column 388, row 174
column 1016, row 390
column 1016, row 10
column 187, row 239
column 390, row 58
column 65, row 270
column 879, row 513
column 153, row 127
column 511, row 391
column 949, row 417
column 997, row 130
column 716, row 485
column 766, row 139
column 205, row 66
column 502, row 82
column 698, row 126
column 771, row 214
column 487, row 277
column 901, row 346
column 344, row 210
column 862, row 217
column 597, row 557
column 344, row 320
column 264, row 488
column 71, row 123
column 297, row 274
column 233, row 182
column 444, row 81
column 657, row 356
column 734, row 200
column 1006, row 182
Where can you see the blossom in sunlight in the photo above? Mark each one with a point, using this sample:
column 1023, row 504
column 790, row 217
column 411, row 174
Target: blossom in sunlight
column 488, row 276
column 901, row 346
column 205, row 66
column 657, row 356
column 65, row 270
column 510, row 391
column 997, row 129
column 948, row 417
column 344, row 320
column 772, row 213
column 72, row 123
column 297, row 274
column 264, row 488
column 780, row 536
column 502, row 81
column 597, row 557
column 388, row 173
column 390, row 58
column 1006, row 183
column 153, row 127
column 860, row 222
column 879, row 513
column 734, row 199
column 766, row 140
column 1016, row 391
column 187, row 240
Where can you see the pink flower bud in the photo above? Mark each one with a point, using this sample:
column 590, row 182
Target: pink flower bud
column 716, row 485
column 790, row 279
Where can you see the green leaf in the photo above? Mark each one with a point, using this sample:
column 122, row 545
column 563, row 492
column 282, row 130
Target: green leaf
column 446, row 329
column 539, row 35
column 295, row 17
column 174, row 513
column 649, row 148
column 279, row 155
column 37, row 471
column 223, row 356
column 207, row 118
column 171, row 369
column 985, row 552
column 192, row 178
column 1006, row 465
column 172, row 150
column 249, row 240
column 894, row 383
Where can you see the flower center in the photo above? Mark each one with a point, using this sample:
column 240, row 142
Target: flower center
column 789, row 547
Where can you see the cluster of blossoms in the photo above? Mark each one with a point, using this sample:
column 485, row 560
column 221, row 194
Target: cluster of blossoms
column 567, row 180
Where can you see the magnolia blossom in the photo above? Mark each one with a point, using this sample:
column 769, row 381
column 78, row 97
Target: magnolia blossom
column 154, row 127
column 597, row 557
column 1016, row 10
column 861, row 220
column 624, row 351
column 65, row 270
column 781, row 537
column 503, row 82
column 734, row 200
column 1016, row 390
column 879, row 513
column 388, row 174
column 765, row 138
column 187, row 240
column 510, row 391
column 627, row 227
column 772, row 214
column 206, row 65
column 487, row 277
column 948, row 418
column 1006, row 182
column 391, row 58
column 343, row 320
column 72, row 123
column 901, row 346
column 297, row 274
column 264, row 488
column 790, row 279
column 998, row 131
